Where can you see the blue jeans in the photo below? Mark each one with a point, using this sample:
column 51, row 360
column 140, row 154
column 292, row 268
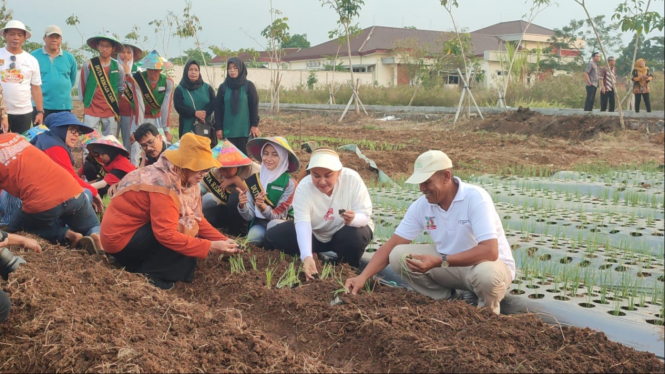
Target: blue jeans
column 76, row 213
column 258, row 231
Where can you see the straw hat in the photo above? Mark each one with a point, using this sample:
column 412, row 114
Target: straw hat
column 193, row 153
column 117, row 46
column 14, row 24
column 108, row 141
column 154, row 61
column 135, row 49
column 33, row 132
column 325, row 158
column 255, row 145
column 230, row 156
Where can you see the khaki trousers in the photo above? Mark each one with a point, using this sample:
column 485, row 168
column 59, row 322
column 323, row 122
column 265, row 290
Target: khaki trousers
column 488, row 280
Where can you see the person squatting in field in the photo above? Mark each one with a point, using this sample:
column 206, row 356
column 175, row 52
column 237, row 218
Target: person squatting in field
column 470, row 253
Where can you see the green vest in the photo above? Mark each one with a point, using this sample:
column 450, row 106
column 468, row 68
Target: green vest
column 275, row 190
column 91, row 83
column 159, row 95
column 236, row 126
column 201, row 97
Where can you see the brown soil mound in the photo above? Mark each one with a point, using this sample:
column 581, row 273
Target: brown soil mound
column 526, row 122
column 76, row 313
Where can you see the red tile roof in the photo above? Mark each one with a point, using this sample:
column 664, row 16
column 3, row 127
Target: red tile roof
column 378, row 38
column 514, row 27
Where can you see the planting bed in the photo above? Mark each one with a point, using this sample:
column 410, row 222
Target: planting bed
column 73, row 312
column 76, row 313
column 587, row 246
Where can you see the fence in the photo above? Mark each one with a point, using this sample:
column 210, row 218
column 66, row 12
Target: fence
column 291, row 79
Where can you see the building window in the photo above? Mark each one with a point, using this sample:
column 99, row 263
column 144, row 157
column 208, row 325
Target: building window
column 453, row 79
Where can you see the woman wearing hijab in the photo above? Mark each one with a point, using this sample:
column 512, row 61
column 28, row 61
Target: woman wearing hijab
column 128, row 58
column 115, row 162
column 194, row 100
column 237, row 106
column 154, row 224
column 642, row 75
column 57, row 143
column 273, row 204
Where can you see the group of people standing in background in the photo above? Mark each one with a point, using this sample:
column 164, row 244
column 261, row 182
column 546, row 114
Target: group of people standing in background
column 606, row 79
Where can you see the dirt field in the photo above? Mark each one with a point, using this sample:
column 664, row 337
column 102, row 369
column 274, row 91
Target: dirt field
column 76, row 313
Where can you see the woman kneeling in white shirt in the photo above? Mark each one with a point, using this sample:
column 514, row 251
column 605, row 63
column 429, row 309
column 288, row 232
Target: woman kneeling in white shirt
column 332, row 213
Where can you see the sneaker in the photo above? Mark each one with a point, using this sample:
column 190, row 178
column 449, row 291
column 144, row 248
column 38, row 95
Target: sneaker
column 89, row 245
column 161, row 283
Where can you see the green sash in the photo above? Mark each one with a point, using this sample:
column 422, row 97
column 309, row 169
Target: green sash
column 275, row 189
column 107, row 83
column 215, row 188
column 153, row 98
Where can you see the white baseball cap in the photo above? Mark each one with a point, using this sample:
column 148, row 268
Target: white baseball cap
column 53, row 29
column 14, row 24
column 427, row 164
column 325, row 158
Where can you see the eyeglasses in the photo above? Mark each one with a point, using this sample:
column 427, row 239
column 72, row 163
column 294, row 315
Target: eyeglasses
column 13, row 64
column 74, row 131
column 149, row 144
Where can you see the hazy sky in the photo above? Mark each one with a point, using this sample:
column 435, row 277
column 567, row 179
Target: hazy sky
column 234, row 24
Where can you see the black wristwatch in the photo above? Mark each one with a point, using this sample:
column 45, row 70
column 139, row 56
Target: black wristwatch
column 40, row 111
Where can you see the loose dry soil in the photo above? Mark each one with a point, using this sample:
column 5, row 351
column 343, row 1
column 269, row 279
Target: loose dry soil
column 77, row 313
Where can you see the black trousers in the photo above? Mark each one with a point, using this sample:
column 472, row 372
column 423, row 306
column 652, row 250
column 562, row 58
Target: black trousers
column 606, row 97
column 590, row 98
column 647, row 103
column 19, row 123
column 227, row 218
column 5, row 306
column 348, row 243
column 46, row 112
column 240, row 143
column 144, row 254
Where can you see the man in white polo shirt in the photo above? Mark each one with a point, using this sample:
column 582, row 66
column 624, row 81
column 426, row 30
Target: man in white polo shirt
column 470, row 250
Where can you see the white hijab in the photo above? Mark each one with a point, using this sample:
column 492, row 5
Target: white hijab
column 269, row 176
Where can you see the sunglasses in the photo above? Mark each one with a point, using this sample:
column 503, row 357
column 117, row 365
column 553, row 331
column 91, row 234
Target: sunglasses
column 13, row 64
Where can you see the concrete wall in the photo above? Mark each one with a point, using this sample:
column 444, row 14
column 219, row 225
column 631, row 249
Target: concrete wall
column 291, row 79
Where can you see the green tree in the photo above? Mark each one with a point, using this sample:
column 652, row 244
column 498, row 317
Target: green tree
column 346, row 11
column 297, row 41
column 277, row 34
column 652, row 50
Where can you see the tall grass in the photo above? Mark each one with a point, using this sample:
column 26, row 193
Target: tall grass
column 553, row 92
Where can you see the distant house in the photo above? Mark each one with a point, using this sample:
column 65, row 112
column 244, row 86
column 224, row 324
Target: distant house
column 260, row 59
column 376, row 50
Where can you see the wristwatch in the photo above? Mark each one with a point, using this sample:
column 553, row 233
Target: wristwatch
column 40, row 112
column 444, row 263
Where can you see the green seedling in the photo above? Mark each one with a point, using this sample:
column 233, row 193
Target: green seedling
column 252, row 261
column 327, row 270
column 269, row 273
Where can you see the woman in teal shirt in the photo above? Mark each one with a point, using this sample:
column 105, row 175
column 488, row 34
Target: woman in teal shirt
column 194, row 99
column 237, row 106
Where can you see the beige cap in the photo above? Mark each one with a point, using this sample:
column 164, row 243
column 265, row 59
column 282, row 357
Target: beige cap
column 53, row 29
column 427, row 164
column 325, row 158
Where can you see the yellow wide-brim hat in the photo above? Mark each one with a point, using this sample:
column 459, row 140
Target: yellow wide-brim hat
column 193, row 153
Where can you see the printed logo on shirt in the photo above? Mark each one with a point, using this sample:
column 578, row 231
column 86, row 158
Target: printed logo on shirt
column 2, row 61
column 463, row 222
column 430, row 223
column 160, row 89
column 329, row 215
column 11, row 76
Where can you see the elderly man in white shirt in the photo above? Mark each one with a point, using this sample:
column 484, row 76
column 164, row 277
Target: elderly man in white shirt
column 470, row 250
